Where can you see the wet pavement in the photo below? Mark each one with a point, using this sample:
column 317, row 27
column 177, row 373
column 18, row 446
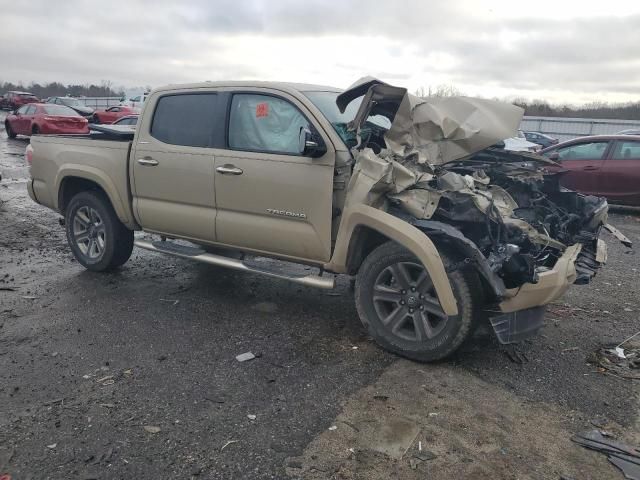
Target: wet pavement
column 133, row 374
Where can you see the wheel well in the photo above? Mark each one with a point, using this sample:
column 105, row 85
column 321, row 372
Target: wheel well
column 71, row 186
column 363, row 241
column 34, row 127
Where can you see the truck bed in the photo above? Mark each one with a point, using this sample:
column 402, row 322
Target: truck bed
column 97, row 157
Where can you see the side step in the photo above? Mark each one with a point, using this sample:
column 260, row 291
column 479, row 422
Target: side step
column 198, row 254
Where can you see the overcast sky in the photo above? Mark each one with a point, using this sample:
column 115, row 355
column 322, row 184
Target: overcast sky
column 561, row 50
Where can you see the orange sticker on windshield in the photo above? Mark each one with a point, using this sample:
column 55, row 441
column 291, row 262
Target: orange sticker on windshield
column 262, row 110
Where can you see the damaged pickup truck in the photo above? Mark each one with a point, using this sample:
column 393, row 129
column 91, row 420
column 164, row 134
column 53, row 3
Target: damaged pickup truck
column 443, row 229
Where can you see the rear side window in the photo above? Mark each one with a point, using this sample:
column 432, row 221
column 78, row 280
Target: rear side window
column 265, row 124
column 186, row 119
column 626, row 150
column 583, row 151
column 31, row 110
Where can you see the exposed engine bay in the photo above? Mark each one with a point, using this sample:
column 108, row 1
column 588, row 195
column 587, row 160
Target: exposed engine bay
column 440, row 166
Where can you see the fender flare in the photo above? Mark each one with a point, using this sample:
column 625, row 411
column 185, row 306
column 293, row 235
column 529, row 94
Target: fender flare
column 96, row 176
column 401, row 232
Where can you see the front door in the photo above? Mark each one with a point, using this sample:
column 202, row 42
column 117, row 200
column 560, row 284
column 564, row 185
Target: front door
column 584, row 162
column 269, row 197
column 172, row 164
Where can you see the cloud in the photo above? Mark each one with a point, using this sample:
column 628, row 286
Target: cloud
column 569, row 52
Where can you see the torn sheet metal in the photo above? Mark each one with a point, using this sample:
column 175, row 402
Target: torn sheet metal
column 438, row 162
column 618, row 234
column 437, row 130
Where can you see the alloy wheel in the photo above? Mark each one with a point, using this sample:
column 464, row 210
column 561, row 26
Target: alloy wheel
column 406, row 303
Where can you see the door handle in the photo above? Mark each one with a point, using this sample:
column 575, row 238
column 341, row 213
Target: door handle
column 229, row 170
column 590, row 167
column 149, row 162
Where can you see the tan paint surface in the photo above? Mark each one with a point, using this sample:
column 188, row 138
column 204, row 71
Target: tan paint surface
column 403, row 233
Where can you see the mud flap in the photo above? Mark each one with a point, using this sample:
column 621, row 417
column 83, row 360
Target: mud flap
column 514, row 327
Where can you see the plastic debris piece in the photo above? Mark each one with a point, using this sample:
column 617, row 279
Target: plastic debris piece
column 243, row 357
column 228, row 443
column 333, row 427
column 251, row 417
column 52, row 446
column 152, row 429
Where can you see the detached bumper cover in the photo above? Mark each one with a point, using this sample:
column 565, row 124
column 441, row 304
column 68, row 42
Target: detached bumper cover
column 551, row 284
column 514, row 327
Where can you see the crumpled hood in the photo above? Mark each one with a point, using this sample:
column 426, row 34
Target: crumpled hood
column 436, row 130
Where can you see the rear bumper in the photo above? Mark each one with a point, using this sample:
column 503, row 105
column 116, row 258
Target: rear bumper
column 551, row 284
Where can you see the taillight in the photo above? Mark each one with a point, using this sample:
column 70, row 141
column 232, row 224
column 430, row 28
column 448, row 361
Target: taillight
column 28, row 154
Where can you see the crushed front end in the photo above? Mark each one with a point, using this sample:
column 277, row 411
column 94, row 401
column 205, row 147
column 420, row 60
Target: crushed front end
column 502, row 213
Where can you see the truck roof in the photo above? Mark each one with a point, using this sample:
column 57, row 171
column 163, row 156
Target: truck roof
column 286, row 86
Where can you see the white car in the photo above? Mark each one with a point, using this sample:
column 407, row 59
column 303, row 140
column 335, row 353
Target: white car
column 518, row 144
column 136, row 102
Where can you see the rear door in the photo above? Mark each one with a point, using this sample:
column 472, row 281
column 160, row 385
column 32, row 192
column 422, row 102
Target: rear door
column 584, row 161
column 172, row 164
column 621, row 173
column 270, row 198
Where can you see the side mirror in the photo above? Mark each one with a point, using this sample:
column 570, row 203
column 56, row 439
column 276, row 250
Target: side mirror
column 15, row 112
column 555, row 156
column 310, row 144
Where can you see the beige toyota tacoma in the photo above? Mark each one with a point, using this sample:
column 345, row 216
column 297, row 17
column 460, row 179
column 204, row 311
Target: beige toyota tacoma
column 442, row 228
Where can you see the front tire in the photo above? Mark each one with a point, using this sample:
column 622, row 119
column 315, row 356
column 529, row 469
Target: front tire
column 10, row 132
column 98, row 240
column 397, row 304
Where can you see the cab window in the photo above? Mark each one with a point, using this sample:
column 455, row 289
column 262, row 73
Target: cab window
column 262, row 123
column 187, row 119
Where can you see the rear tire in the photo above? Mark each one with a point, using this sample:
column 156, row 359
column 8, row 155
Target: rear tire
column 398, row 305
column 35, row 130
column 98, row 239
column 10, row 132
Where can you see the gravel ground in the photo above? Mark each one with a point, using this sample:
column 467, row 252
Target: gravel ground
column 133, row 374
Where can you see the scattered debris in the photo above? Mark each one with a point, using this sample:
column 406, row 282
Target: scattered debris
column 333, row 427
column 424, row 455
column 570, row 349
column 52, row 446
column 382, row 398
column 626, row 458
column 243, row 357
column 152, row 429
column 228, row 443
column 618, row 361
column 251, row 417
column 7, row 289
column 105, row 381
column 175, row 302
column 29, row 297
column 107, row 405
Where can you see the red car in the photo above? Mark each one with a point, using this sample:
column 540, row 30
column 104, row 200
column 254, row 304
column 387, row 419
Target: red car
column 12, row 100
column 43, row 118
column 603, row 165
column 112, row 114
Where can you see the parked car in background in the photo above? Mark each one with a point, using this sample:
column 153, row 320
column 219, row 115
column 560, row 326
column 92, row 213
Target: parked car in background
column 630, row 131
column 74, row 104
column 136, row 102
column 44, row 118
column 128, row 120
column 540, row 139
column 519, row 144
column 12, row 100
column 603, row 165
column 112, row 114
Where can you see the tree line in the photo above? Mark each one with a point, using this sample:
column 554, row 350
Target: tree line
column 57, row 89
column 542, row 108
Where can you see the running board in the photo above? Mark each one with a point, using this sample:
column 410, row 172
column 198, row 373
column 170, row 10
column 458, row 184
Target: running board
column 194, row 253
